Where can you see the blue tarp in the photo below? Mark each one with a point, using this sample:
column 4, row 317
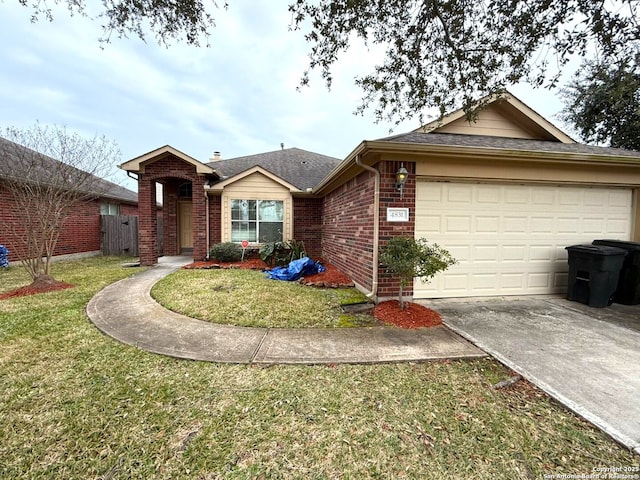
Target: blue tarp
column 4, row 256
column 295, row 270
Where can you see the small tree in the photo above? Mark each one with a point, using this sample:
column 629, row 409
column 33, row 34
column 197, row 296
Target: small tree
column 48, row 173
column 407, row 258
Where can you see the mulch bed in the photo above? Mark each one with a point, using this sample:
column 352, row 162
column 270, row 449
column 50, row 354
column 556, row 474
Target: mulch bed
column 330, row 278
column 249, row 264
column 413, row 315
column 35, row 289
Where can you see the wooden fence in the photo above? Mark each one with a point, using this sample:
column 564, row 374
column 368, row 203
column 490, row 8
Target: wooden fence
column 119, row 235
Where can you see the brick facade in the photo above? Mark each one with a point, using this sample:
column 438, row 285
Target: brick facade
column 347, row 224
column 80, row 234
column 172, row 172
column 307, row 224
column 347, row 228
column 390, row 198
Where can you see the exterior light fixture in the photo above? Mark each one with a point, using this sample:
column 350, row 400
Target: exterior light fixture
column 401, row 178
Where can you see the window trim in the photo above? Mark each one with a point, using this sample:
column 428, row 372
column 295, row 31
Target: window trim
column 257, row 220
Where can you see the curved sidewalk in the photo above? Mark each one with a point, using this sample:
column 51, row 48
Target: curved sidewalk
column 126, row 312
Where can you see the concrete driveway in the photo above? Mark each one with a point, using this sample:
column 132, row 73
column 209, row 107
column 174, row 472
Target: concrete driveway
column 587, row 358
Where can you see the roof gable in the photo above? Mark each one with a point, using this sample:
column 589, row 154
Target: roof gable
column 137, row 164
column 297, row 168
column 501, row 116
column 251, row 171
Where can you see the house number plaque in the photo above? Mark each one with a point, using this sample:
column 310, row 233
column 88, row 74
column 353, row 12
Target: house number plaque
column 397, row 214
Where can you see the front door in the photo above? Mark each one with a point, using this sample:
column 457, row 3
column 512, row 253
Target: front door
column 185, row 226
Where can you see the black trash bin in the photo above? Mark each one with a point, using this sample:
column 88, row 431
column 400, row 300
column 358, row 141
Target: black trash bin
column 628, row 291
column 593, row 273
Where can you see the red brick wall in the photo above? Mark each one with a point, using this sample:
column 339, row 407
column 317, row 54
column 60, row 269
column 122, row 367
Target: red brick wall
column 347, row 228
column 307, row 224
column 347, row 224
column 128, row 209
column 171, row 168
column 81, row 232
column 215, row 219
column 390, row 197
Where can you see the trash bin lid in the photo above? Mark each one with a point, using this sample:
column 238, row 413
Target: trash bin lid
column 629, row 246
column 602, row 250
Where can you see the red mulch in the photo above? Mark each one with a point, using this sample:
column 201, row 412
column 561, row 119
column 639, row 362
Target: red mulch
column 330, row 278
column 35, row 289
column 249, row 264
column 413, row 315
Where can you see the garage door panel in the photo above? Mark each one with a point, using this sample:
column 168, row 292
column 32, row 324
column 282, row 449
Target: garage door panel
column 511, row 239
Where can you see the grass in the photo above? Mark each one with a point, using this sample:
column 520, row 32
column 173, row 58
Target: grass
column 247, row 298
column 77, row 404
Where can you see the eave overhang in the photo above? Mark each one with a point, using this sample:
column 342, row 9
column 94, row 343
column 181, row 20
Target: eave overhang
column 137, row 165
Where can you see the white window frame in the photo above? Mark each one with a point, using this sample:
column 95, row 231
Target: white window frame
column 257, row 220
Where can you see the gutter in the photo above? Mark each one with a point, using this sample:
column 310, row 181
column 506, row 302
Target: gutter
column 376, row 226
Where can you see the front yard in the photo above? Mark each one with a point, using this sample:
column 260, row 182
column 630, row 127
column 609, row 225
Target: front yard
column 247, row 298
column 77, row 404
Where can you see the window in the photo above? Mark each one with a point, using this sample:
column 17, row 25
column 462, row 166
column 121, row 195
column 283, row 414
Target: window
column 107, row 208
column 257, row 221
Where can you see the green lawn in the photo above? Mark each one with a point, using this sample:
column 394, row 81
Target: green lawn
column 249, row 299
column 77, row 404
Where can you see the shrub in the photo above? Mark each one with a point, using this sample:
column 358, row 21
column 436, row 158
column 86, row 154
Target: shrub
column 226, row 252
column 281, row 253
column 408, row 258
column 4, row 256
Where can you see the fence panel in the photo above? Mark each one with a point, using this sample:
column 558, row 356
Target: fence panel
column 119, row 235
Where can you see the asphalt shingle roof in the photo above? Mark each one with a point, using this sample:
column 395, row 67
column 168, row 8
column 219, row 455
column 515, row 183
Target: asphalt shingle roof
column 47, row 164
column 502, row 143
column 296, row 166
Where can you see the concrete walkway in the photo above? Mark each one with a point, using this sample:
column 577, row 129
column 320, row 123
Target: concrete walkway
column 586, row 358
column 126, row 312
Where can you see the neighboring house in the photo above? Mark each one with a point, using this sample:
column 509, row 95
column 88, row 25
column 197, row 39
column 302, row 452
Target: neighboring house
column 81, row 232
column 505, row 194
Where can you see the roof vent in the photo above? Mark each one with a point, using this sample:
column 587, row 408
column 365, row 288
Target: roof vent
column 282, row 145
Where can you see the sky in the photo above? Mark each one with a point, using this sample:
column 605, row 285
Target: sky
column 239, row 96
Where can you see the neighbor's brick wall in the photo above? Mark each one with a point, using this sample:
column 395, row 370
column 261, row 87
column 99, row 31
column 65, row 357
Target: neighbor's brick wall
column 390, row 197
column 81, row 231
column 307, row 224
column 347, row 228
column 128, row 209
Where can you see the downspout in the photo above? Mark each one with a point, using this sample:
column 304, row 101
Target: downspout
column 376, row 225
column 206, row 196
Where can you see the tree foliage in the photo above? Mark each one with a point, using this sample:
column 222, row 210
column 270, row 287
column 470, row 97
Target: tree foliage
column 408, row 258
column 445, row 53
column 439, row 54
column 49, row 172
column 167, row 20
column 603, row 103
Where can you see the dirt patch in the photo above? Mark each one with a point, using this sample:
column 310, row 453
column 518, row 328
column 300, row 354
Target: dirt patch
column 413, row 315
column 42, row 285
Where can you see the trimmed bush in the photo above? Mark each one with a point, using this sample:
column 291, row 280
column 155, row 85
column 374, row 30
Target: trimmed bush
column 226, row 252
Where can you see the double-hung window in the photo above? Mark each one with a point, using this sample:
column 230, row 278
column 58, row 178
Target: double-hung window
column 257, row 221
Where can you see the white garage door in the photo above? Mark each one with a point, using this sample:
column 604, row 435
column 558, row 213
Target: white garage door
column 511, row 239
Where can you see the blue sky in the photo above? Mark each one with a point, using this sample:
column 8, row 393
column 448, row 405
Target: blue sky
column 237, row 96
